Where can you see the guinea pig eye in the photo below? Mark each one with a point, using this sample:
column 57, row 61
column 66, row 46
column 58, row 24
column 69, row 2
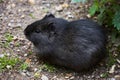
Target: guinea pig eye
column 37, row 31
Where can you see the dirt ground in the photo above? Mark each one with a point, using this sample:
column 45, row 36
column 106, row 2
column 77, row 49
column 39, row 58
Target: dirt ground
column 15, row 15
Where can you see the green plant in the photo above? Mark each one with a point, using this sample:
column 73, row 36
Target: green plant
column 8, row 38
column 23, row 66
column 1, row 1
column 104, row 75
column 111, row 60
column 31, row 15
column 107, row 12
column 17, row 44
column 8, row 61
column 48, row 67
column 74, row 1
column 30, row 52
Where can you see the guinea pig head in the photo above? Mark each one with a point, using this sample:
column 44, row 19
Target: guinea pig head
column 41, row 31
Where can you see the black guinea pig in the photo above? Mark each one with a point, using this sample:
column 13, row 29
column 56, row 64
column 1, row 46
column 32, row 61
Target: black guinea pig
column 78, row 45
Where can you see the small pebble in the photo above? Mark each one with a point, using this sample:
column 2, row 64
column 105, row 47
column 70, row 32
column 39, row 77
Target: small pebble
column 35, row 69
column 117, row 77
column 25, row 55
column 30, row 69
column 9, row 24
column 89, row 16
column 2, row 55
column 59, row 8
column 19, row 10
column 18, row 25
column 68, row 76
column 20, row 0
column 44, row 77
column 48, row 5
column 8, row 7
column 69, row 15
column 72, row 77
column 37, row 74
column 15, row 38
column 65, row 5
column 8, row 66
column 111, row 79
column 118, row 61
column 22, row 73
column 12, row 21
column 13, row 5
column 28, row 74
column 18, row 50
column 54, row 77
column 31, row 2
column 22, row 16
column 8, row 54
column 112, row 70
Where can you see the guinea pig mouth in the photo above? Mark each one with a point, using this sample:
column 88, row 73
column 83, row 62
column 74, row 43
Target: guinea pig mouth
column 26, row 33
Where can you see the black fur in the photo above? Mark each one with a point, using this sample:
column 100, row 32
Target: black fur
column 78, row 45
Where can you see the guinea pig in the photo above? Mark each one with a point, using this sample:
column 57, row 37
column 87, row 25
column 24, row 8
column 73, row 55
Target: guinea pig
column 78, row 45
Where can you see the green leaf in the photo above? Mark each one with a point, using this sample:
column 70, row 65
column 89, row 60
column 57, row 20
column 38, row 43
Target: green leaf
column 1, row 1
column 116, row 20
column 101, row 16
column 24, row 66
column 11, row 61
column 75, row 1
column 31, row 15
column 104, row 75
column 9, row 37
column 93, row 9
column 113, row 36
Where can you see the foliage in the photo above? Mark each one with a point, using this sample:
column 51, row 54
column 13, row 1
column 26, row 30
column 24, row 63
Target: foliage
column 48, row 67
column 1, row 1
column 7, row 61
column 23, row 66
column 111, row 60
column 104, row 75
column 75, row 1
column 107, row 12
column 116, row 20
column 31, row 15
column 8, row 38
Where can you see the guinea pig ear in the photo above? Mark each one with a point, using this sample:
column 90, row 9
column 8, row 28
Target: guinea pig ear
column 49, row 15
column 51, row 26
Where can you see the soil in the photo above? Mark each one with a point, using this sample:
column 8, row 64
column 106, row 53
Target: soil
column 15, row 15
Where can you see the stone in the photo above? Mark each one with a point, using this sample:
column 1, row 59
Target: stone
column 117, row 77
column 2, row 55
column 13, row 5
column 112, row 70
column 59, row 8
column 44, row 77
column 31, row 2
column 65, row 5
column 8, row 66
